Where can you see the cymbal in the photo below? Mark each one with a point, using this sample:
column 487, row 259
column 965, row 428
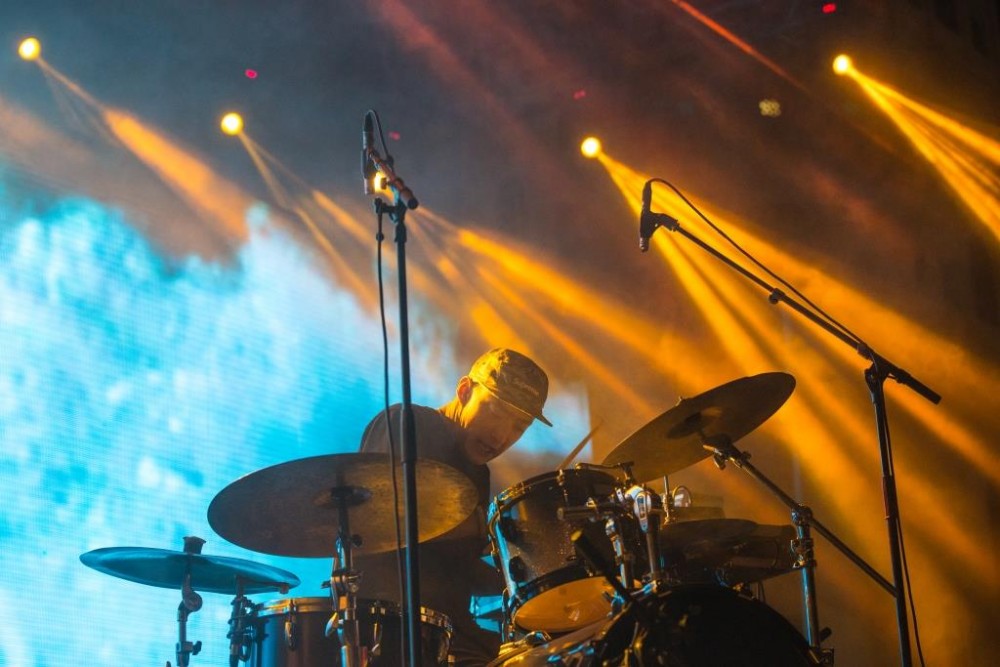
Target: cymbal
column 293, row 508
column 762, row 553
column 701, row 535
column 673, row 441
column 167, row 569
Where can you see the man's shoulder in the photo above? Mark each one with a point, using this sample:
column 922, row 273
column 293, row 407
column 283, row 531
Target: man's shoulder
column 433, row 429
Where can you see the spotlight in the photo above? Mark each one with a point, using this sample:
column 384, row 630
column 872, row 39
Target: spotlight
column 591, row 147
column 232, row 123
column 842, row 64
column 30, row 49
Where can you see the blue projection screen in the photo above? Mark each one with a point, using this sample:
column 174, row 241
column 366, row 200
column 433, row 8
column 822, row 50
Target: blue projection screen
column 134, row 387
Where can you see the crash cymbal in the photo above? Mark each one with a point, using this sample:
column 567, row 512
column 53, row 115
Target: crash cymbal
column 293, row 509
column 702, row 535
column 673, row 441
column 167, row 569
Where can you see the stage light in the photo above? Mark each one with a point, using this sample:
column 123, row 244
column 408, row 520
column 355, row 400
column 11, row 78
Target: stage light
column 842, row 64
column 771, row 108
column 591, row 147
column 232, row 123
column 30, row 49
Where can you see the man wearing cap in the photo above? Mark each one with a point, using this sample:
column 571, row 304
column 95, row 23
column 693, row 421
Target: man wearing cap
column 493, row 405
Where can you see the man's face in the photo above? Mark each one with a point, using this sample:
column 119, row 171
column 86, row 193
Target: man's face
column 491, row 425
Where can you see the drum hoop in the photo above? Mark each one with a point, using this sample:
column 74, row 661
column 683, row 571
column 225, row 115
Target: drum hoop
column 302, row 605
column 305, row 605
column 516, row 491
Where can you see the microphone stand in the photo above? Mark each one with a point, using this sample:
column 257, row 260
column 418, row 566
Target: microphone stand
column 875, row 377
column 402, row 200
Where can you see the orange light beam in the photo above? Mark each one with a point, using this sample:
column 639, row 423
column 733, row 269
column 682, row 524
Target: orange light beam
column 575, row 350
column 976, row 184
column 277, row 191
column 718, row 310
column 281, row 195
column 743, row 46
column 193, row 181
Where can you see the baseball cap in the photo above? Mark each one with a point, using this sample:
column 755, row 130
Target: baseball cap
column 514, row 379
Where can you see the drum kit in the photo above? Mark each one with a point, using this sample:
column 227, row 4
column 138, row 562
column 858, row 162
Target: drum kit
column 597, row 567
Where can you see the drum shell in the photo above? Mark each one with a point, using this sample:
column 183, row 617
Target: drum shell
column 548, row 587
column 292, row 633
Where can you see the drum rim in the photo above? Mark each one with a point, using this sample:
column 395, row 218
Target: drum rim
column 516, row 491
column 307, row 604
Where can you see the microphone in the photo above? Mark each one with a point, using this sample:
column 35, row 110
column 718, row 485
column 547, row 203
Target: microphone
column 367, row 144
column 647, row 224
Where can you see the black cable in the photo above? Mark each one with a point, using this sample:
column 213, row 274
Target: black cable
column 909, row 591
column 766, row 270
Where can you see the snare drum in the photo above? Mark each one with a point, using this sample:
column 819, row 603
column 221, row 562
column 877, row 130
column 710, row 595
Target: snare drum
column 548, row 587
column 292, row 633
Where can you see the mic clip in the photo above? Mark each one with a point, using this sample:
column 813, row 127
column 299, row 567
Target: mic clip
column 649, row 222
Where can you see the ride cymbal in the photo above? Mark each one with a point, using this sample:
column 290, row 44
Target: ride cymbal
column 296, row 508
column 209, row 574
column 673, row 441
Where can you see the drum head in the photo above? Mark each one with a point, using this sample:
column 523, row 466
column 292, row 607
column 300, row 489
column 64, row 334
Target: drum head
column 566, row 606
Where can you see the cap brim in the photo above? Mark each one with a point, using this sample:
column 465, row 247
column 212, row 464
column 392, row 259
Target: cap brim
column 540, row 417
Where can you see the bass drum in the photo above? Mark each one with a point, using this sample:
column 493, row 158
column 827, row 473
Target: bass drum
column 292, row 633
column 693, row 626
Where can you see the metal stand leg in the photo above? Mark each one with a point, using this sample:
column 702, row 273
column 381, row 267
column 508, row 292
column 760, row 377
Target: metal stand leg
column 344, row 584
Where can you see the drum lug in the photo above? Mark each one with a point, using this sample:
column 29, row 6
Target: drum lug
column 376, row 649
column 517, row 569
column 291, row 628
column 508, row 529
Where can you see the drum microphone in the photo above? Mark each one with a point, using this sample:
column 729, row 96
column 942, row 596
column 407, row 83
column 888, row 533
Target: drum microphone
column 372, row 163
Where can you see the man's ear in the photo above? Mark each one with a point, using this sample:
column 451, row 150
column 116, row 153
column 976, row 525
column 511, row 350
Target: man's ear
column 463, row 391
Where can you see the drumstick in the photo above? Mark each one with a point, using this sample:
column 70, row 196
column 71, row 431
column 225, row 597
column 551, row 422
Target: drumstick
column 576, row 450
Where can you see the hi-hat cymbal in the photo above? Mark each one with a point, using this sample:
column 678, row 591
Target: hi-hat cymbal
column 750, row 557
column 700, row 535
column 209, row 574
column 294, row 508
column 673, row 441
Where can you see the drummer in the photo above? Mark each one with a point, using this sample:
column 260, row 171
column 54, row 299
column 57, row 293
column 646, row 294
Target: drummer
column 493, row 405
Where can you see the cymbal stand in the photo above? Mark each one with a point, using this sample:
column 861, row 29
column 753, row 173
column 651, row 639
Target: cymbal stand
column 723, row 451
column 344, row 581
column 190, row 603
